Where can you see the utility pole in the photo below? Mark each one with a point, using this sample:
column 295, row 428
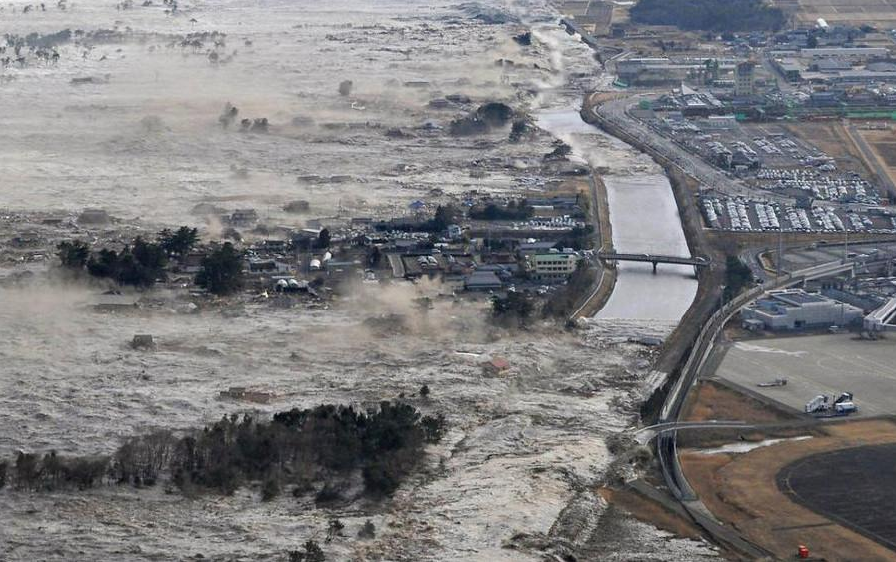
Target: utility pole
column 846, row 245
column 780, row 253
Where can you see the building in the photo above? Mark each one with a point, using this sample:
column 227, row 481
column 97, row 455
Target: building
column 853, row 53
column 661, row 70
column 536, row 247
column 114, row 302
column 267, row 266
column 791, row 69
column 793, row 309
column 554, row 266
column 745, row 80
column 93, row 217
column 482, row 281
column 244, row 217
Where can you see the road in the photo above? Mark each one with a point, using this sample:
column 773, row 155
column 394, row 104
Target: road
column 666, row 444
column 708, row 176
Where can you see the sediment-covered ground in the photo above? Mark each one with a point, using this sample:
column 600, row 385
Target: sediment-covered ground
column 128, row 121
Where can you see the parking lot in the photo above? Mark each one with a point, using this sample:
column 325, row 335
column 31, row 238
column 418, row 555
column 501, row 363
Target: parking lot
column 813, row 365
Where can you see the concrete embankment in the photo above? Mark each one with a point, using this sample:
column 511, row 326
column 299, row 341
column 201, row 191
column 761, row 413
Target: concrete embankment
column 604, row 235
column 710, row 279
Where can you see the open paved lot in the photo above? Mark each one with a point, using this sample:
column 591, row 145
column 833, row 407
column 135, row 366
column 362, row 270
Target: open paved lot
column 813, row 365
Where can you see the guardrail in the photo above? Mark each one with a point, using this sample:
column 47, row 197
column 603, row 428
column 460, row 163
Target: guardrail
column 667, row 448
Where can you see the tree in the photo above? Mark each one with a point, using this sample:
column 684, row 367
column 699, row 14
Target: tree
column 334, row 529
column 434, row 427
column 323, row 239
column 222, row 270
column 367, row 531
column 73, row 255
column 270, row 489
column 140, row 265
column 313, row 553
column 180, row 242
column 444, row 216
column 812, row 41
column 374, row 255
column 515, row 304
column 737, row 277
column 518, row 130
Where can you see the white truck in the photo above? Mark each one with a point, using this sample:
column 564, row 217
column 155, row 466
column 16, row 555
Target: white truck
column 820, row 403
column 825, row 405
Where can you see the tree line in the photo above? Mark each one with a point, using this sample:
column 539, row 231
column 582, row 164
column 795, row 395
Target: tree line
column 143, row 263
column 320, row 450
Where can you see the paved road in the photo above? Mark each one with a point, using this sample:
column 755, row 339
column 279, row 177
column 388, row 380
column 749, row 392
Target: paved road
column 616, row 112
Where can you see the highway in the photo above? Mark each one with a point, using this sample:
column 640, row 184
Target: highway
column 666, row 441
column 616, row 113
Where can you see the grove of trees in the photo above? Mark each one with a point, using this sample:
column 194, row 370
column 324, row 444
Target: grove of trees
column 139, row 264
column 222, row 270
column 321, row 449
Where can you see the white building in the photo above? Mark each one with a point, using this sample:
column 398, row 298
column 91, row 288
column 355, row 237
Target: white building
column 790, row 309
column 554, row 266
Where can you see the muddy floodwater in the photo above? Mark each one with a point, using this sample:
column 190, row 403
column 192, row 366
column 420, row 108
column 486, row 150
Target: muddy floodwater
column 127, row 118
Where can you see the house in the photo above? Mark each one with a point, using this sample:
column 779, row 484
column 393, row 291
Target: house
column 269, row 266
column 482, row 281
column 496, row 366
column 114, row 302
column 93, row 217
column 244, row 217
column 248, row 395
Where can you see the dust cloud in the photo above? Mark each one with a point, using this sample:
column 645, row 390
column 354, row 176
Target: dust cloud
column 127, row 120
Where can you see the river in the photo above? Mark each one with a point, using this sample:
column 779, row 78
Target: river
column 643, row 212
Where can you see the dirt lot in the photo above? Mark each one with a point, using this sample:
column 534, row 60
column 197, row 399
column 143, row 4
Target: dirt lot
column 742, row 490
column 883, row 143
column 832, row 139
column 713, row 401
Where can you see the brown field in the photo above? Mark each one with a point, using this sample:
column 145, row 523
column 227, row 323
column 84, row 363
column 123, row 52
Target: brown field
column 741, row 490
column 880, row 13
column 832, row 138
column 713, row 401
column 883, row 143
column 594, row 15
